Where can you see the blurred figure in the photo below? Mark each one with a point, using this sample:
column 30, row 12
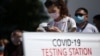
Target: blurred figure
column 1, row 48
column 61, row 22
column 81, row 18
column 14, row 48
column 3, row 43
column 96, row 21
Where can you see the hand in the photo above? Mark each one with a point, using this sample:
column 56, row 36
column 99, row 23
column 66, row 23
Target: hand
column 54, row 29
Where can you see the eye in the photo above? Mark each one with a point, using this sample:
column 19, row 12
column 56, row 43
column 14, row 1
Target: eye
column 79, row 14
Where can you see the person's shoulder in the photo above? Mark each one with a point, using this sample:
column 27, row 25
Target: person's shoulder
column 70, row 19
column 67, row 17
column 91, row 25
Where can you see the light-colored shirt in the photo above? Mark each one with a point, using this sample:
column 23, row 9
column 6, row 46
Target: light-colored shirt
column 65, row 25
column 88, row 29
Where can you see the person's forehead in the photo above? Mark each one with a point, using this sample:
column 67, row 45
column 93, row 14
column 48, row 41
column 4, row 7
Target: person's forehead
column 81, row 11
column 52, row 9
column 18, row 33
column 52, row 6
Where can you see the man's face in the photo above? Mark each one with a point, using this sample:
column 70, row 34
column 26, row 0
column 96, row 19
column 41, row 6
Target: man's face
column 18, row 34
column 83, row 13
column 17, row 38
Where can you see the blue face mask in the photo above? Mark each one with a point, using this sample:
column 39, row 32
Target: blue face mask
column 1, row 48
column 79, row 19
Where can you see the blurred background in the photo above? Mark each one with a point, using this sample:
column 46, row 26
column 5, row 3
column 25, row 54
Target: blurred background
column 20, row 14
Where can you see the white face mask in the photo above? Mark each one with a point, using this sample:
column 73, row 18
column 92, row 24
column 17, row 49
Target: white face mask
column 54, row 15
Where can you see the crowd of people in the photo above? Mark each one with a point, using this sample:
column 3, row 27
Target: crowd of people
column 60, row 21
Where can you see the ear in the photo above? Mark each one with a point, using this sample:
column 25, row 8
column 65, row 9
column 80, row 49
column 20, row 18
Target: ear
column 87, row 16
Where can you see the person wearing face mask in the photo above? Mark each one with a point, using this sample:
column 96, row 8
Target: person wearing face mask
column 15, row 48
column 81, row 18
column 58, row 12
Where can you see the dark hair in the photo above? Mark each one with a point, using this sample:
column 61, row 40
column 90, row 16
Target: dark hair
column 58, row 3
column 97, row 17
column 79, row 9
column 14, row 32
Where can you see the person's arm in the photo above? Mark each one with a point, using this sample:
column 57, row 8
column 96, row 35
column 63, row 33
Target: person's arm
column 54, row 29
column 41, row 27
column 73, row 30
column 73, row 25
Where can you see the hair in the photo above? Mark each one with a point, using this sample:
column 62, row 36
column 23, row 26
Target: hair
column 14, row 32
column 60, row 4
column 84, row 9
column 97, row 17
column 3, row 41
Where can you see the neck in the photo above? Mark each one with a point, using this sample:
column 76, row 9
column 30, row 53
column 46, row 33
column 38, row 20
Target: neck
column 81, row 25
column 58, row 19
